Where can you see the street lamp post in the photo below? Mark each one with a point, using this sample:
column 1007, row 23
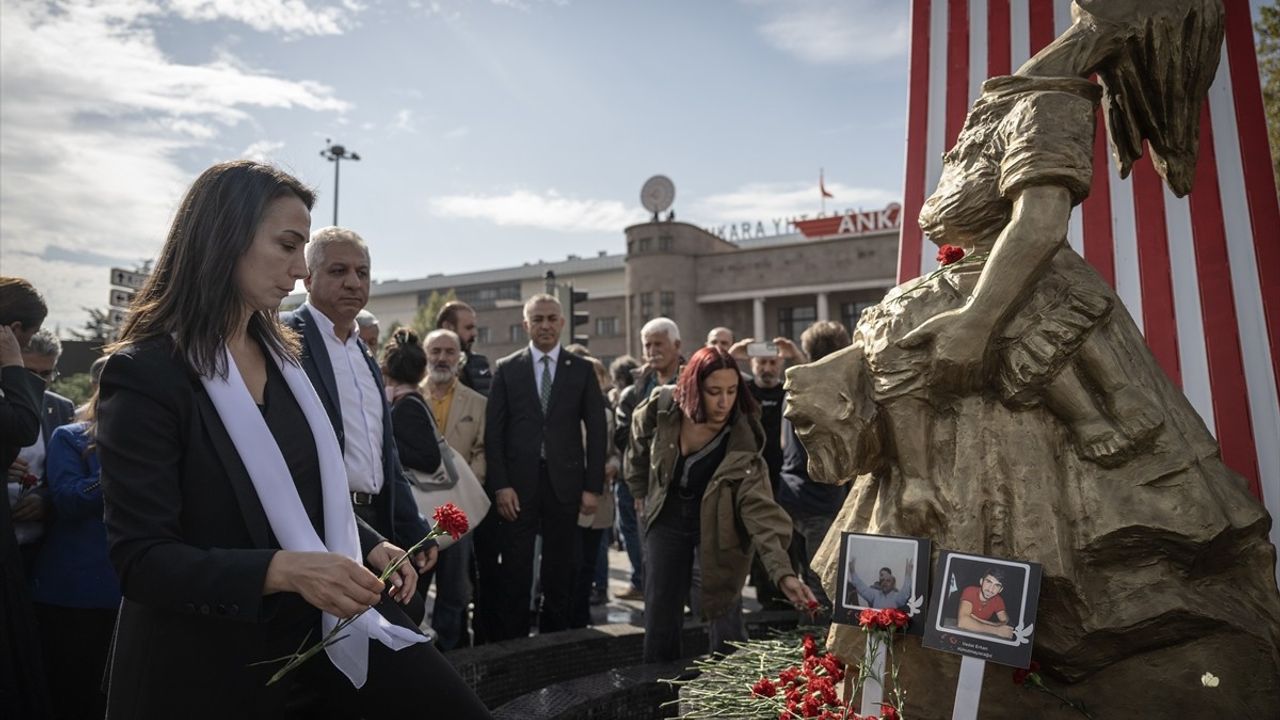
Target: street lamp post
column 336, row 154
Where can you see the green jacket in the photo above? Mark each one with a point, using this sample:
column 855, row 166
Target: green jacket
column 738, row 514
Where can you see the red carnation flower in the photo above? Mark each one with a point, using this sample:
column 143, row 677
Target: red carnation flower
column 789, row 676
column 810, row 646
column 893, row 617
column 29, row 481
column 829, row 694
column 948, row 254
column 833, row 667
column 868, row 619
column 811, row 706
column 887, row 712
column 452, row 520
column 764, row 687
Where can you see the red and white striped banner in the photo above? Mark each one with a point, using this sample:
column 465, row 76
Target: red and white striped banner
column 1200, row 275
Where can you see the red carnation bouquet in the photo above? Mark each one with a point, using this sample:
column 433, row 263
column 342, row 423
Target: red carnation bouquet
column 449, row 520
column 765, row 678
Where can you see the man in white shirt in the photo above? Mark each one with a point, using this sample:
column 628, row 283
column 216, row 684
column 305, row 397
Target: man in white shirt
column 349, row 384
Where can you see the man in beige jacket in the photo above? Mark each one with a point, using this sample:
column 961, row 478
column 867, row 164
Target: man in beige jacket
column 459, row 413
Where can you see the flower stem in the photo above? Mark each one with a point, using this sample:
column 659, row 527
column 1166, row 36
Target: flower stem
column 291, row 662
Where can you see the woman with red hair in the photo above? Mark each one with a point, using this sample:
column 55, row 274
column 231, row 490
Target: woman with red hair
column 695, row 465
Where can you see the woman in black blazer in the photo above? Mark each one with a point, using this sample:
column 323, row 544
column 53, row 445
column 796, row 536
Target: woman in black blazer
column 229, row 527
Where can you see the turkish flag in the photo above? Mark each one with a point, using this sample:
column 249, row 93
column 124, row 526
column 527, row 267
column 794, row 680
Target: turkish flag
column 823, row 186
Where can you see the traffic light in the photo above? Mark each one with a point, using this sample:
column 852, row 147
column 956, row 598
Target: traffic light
column 578, row 316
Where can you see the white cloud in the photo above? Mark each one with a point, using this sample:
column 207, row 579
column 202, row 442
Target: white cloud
column 767, row 201
column 457, row 133
column 291, row 17
column 93, row 120
column 403, row 121
column 548, row 211
column 836, row 32
column 262, row 150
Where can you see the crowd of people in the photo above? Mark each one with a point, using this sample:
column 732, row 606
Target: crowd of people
column 242, row 475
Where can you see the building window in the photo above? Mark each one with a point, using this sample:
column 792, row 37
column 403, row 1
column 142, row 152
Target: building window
column 794, row 320
column 664, row 243
column 667, row 304
column 606, row 327
column 482, row 335
column 515, row 333
column 646, row 306
column 851, row 311
column 646, row 244
column 488, row 296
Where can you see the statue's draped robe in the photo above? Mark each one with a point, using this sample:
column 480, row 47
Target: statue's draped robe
column 1155, row 571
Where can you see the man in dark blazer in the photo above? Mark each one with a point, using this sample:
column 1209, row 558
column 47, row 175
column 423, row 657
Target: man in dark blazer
column 349, row 384
column 542, row 471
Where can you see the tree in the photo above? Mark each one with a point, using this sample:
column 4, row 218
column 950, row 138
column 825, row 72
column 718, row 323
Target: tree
column 424, row 321
column 1268, row 35
column 76, row 388
column 98, row 329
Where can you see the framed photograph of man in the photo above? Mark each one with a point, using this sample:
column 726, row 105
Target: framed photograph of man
column 882, row 571
column 983, row 607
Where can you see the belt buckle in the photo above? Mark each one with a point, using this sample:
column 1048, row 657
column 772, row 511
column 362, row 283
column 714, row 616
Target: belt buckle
column 361, row 498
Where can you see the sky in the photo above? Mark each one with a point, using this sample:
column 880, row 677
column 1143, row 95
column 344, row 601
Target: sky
column 491, row 132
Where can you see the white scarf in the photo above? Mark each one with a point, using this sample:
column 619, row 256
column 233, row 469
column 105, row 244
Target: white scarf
column 288, row 518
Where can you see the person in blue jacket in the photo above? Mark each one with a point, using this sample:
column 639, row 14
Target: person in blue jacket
column 73, row 587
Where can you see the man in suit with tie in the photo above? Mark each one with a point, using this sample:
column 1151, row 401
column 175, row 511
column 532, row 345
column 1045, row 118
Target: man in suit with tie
column 349, row 383
column 541, row 473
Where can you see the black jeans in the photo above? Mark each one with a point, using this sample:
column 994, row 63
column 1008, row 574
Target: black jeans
column 670, row 544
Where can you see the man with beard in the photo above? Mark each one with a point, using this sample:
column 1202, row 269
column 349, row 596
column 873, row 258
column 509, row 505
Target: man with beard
column 981, row 607
column 766, row 387
column 459, row 414
column 885, row 593
column 461, row 319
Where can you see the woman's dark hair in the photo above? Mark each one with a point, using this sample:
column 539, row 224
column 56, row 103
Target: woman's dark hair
column 21, row 302
column 688, row 393
column 189, row 295
column 620, row 370
column 823, row 338
column 403, row 358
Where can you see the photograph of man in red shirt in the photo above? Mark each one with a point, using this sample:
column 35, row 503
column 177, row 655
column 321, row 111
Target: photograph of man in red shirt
column 981, row 607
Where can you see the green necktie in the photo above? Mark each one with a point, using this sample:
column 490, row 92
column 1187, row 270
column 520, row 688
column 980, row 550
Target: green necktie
column 546, row 382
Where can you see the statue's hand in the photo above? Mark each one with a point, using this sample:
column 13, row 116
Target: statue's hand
column 958, row 345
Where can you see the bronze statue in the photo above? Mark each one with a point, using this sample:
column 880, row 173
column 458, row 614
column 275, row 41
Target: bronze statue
column 1008, row 405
